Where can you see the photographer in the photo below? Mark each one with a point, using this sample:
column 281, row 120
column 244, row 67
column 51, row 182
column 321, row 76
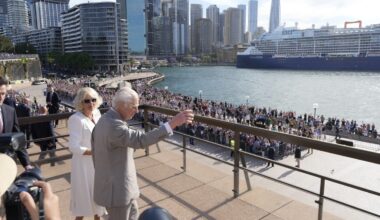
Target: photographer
column 9, row 123
column 8, row 171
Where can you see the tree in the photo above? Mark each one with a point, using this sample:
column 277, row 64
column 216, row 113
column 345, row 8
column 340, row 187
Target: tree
column 6, row 45
column 25, row 48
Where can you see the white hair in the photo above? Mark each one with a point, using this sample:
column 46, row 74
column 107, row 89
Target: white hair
column 124, row 95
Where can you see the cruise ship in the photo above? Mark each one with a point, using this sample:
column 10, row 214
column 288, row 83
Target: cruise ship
column 327, row 48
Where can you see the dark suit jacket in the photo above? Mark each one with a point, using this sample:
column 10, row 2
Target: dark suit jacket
column 42, row 130
column 54, row 100
column 10, row 124
column 23, row 110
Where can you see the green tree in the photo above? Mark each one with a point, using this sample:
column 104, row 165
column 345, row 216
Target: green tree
column 25, row 48
column 6, row 45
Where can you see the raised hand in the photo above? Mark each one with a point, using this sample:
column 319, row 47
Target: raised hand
column 183, row 117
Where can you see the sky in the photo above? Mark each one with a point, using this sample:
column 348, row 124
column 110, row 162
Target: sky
column 304, row 12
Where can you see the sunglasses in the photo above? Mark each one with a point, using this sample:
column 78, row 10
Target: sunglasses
column 87, row 101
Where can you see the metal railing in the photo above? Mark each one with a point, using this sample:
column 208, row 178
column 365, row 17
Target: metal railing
column 239, row 156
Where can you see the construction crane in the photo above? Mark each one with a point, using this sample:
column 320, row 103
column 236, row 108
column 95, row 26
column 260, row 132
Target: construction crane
column 353, row 22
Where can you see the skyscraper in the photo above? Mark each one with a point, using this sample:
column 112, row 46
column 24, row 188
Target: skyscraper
column 152, row 10
column 252, row 16
column 195, row 14
column 124, row 4
column 180, row 29
column 203, row 36
column 232, row 26
column 221, row 27
column 212, row 13
column 47, row 13
column 17, row 16
column 3, row 15
column 243, row 9
column 136, row 25
column 275, row 14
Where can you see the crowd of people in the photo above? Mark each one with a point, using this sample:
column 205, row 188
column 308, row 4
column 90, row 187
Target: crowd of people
column 273, row 119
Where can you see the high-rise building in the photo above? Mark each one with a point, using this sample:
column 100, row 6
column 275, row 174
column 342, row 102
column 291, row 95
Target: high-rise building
column 44, row 40
column 98, row 30
column 221, row 27
column 203, row 36
column 29, row 7
column 275, row 14
column 232, row 26
column 243, row 9
column 47, row 13
column 212, row 13
column 3, row 15
column 180, row 27
column 252, row 16
column 124, row 4
column 196, row 12
column 162, row 44
column 136, row 25
column 152, row 10
column 18, row 20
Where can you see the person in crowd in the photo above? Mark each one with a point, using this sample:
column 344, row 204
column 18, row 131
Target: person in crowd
column 297, row 156
column 52, row 101
column 271, row 154
column 8, row 172
column 9, row 123
column 80, row 127
column 44, row 130
column 23, row 110
column 113, row 144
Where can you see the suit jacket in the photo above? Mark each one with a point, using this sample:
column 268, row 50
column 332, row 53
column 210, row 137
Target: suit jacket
column 54, row 100
column 23, row 110
column 10, row 124
column 43, row 130
column 113, row 144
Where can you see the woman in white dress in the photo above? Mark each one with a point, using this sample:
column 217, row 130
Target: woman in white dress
column 80, row 125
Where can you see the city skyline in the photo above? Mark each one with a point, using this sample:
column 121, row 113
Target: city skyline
column 304, row 12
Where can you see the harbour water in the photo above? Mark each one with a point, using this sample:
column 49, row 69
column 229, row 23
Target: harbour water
column 348, row 95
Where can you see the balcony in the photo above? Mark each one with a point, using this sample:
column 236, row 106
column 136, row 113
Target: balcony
column 204, row 182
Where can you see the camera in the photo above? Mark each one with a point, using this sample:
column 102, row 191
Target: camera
column 9, row 144
column 14, row 208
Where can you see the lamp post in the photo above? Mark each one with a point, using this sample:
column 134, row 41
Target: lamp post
column 315, row 106
column 247, row 98
column 200, row 94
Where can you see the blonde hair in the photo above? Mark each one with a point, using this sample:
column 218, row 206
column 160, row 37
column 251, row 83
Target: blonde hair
column 81, row 95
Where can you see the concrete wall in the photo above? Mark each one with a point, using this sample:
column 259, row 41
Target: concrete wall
column 20, row 70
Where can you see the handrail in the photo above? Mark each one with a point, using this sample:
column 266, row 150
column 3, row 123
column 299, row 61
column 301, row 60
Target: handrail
column 288, row 138
column 339, row 149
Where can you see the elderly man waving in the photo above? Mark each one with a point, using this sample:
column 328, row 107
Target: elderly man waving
column 113, row 144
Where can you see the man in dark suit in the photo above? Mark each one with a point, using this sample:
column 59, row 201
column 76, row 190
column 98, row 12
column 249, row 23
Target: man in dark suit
column 9, row 123
column 52, row 101
column 23, row 110
column 44, row 130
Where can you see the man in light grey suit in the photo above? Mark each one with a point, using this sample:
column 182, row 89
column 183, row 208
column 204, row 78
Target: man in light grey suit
column 113, row 144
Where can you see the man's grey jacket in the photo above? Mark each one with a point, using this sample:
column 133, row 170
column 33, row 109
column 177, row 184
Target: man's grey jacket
column 113, row 144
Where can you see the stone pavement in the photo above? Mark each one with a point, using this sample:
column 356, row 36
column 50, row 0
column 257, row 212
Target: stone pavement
column 203, row 192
